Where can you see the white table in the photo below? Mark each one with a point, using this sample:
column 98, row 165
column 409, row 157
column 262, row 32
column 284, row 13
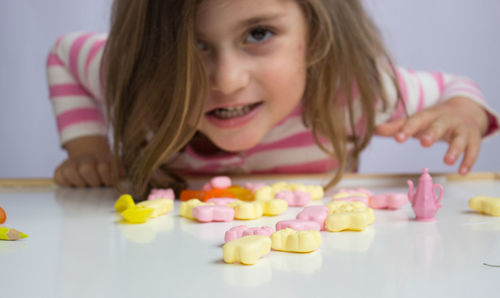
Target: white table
column 78, row 248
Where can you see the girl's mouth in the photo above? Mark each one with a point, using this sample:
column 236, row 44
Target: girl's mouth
column 233, row 117
column 233, row 112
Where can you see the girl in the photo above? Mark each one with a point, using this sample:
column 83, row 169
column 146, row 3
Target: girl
column 245, row 86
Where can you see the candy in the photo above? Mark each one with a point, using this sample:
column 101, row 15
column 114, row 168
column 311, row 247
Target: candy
column 247, row 210
column 159, row 206
column 211, row 213
column 254, row 186
column 315, row 213
column 353, row 216
column 316, row 192
column 352, row 198
column 186, row 208
column 241, row 193
column 485, row 205
column 388, row 201
column 220, row 182
column 295, row 241
column 353, row 191
column 265, row 193
column 242, row 231
column 137, row 214
column 273, row 207
column 296, row 198
column 246, row 250
column 217, row 193
column 221, row 201
column 124, row 202
column 3, row 216
column 187, row 195
column 157, row 193
column 298, row 225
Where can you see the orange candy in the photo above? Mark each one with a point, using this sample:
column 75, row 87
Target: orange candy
column 235, row 191
column 187, row 195
column 3, row 216
column 218, row 193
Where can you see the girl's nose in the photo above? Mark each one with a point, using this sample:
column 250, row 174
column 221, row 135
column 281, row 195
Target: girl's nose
column 228, row 73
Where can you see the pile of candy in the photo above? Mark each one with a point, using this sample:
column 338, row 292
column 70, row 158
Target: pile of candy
column 159, row 202
column 9, row 234
column 221, row 201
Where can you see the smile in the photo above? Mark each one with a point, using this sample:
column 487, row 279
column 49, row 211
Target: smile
column 233, row 112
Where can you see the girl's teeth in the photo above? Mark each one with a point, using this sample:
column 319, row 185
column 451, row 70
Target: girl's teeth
column 226, row 113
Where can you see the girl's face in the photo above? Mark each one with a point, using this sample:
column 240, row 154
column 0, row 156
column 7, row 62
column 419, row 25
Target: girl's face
column 254, row 53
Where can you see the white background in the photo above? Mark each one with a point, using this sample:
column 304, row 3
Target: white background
column 456, row 36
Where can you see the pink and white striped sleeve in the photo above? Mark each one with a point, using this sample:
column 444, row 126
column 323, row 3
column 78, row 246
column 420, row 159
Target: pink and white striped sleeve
column 420, row 90
column 73, row 75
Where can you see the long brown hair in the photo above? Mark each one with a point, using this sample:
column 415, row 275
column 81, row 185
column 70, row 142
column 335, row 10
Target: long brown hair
column 155, row 82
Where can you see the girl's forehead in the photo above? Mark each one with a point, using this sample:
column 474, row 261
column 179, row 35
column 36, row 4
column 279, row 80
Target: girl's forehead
column 215, row 13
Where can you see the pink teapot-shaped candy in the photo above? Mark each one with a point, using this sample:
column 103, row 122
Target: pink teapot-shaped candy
column 424, row 201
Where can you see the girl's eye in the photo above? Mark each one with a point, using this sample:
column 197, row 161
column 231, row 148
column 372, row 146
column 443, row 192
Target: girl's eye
column 258, row 35
column 202, row 46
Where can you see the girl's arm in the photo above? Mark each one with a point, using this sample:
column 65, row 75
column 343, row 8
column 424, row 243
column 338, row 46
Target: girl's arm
column 440, row 107
column 73, row 74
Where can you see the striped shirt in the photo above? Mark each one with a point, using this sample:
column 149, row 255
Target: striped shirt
column 73, row 70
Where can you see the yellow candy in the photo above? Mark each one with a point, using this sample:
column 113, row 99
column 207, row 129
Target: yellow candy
column 186, row 208
column 247, row 210
column 273, row 207
column 264, row 193
column 124, row 202
column 296, row 241
column 246, row 250
column 344, row 215
column 485, row 205
column 137, row 214
column 160, row 206
column 279, row 186
column 346, row 206
column 316, row 191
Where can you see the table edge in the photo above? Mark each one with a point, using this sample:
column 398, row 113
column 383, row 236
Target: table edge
column 49, row 182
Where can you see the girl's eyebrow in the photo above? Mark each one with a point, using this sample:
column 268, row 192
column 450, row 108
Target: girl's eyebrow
column 258, row 19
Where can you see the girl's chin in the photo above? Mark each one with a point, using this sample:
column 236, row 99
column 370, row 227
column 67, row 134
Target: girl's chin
column 235, row 144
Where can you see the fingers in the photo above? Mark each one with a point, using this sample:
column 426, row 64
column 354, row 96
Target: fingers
column 389, row 129
column 467, row 142
column 456, row 148
column 70, row 173
column 436, row 131
column 88, row 171
column 83, row 173
column 471, row 153
column 104, row 170
column 415, row 125
column 59, row 177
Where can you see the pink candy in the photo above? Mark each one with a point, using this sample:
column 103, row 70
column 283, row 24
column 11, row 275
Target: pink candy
column 241, row 231
column 157, row 193
column 220, row 182
column 315, row 213
column 388, row 201
column 298, row 225
column 295, row 198
column 221, row 201
column 254, row 186
column 210, row 213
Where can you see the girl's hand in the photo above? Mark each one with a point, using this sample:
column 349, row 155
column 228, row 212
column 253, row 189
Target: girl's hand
column 88, row 164
column 459, row 121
